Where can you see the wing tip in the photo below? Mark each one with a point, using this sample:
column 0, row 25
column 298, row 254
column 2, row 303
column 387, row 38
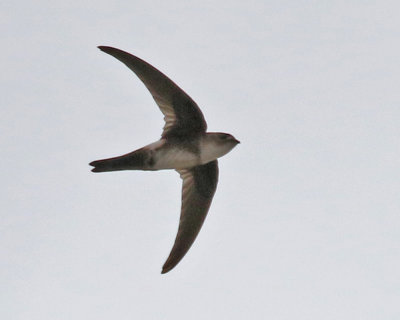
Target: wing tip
column 164, row 271
column 104, row 48
column 167, row 267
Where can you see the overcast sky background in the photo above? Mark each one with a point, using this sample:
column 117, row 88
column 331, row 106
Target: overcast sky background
column 305, row 221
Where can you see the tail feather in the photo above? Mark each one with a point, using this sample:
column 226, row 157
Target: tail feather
column 131, row 161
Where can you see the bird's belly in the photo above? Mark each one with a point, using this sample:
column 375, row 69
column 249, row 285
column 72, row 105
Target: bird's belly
column 175, row 158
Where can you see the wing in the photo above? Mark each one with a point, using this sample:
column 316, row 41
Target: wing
column 199, row 185
column 182, row 116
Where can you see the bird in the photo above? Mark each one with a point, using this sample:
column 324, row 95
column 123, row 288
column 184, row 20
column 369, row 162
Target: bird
column 184, row 146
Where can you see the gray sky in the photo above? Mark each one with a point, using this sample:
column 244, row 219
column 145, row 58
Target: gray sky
column 305, row 222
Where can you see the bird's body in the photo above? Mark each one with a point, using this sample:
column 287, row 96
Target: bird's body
column 185, row 146
column 169, row 154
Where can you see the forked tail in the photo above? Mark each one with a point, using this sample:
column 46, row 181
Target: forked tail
column 131, row 161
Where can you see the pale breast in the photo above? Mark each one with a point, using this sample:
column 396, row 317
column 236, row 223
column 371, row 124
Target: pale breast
column 175, row 158
column 209, row 151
